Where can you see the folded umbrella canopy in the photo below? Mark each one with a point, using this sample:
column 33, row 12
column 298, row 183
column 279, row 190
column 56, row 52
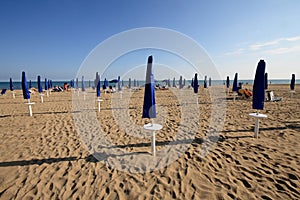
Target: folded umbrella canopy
column 266, row 81
column 149, row 109
column 40, row 88
column 259, row 87
column 293, row 80
column 196, row 84
column 26, row 94
column 11, row 86
column 235, row 84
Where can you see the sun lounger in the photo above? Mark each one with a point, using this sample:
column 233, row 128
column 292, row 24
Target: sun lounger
column 271, row 97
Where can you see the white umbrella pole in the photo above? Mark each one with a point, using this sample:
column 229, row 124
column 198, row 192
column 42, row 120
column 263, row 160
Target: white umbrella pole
column 13, row 94
column 42, row 98
column 256, row 128
column 29, row 106
column 153, row 140
column 84, row 96
column 47, row 93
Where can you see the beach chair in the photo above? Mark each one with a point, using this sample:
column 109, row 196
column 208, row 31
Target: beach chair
column 3, row 91
column 271, row 97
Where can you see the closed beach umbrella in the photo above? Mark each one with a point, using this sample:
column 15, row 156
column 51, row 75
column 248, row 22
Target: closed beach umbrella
column 46, row 84
column 227, row 82
column 119, row 84
column 266, row 81
column 292, row 85
column 129, row 83
column 174, row 84
column 205, row 82
column 196, row 85
column 134, row 83
column 258, row 87
column 184, row 82
column 30, row 85
column 40, row 88
column 149, row 109
column 26, row 94
column 96, row 79
column 77, row 84
column 180, row 82
column 11, row 86
column 89, row 83
column 235, row 84
column 192, row 83
column 82, row 84
column 98, row 86
column 209, row 82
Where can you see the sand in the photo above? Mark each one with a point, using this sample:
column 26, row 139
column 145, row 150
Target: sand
column 46, row 157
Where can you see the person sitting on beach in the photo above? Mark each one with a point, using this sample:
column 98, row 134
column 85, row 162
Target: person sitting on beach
column 245, row 92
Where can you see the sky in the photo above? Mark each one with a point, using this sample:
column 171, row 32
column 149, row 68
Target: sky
column 54, row 38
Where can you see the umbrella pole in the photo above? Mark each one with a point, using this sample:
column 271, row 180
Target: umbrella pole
column 47, row 93
column 256, row 128
column 84, row 96
column 13, row 94
column 42, row 99
column 29, row 106
column 153, row 139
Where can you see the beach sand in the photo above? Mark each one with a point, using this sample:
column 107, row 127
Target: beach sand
column 43, row 156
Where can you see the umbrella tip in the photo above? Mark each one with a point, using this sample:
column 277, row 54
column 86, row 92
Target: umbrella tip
column 150, row 59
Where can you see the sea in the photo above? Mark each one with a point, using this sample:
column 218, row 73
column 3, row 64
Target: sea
column 17, row 85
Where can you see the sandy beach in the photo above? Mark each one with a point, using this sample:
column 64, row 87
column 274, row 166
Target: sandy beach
column 43, row 156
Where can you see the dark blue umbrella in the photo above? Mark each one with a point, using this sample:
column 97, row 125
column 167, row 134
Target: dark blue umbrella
column 227, row 82
column 169, row 83
column 134, row 83
column 180, row 82
column 77, row 84
column 184, row 82
column 205, row 82
column 174, row 84
column 72, row 83
column 11, row 86
column 30, row 84
column 26, row 94
column 50, row 85
column 82, row 84
column 46, row 84
column 196, row 84
column 119, row 84
column 89, row 83
column 266, row 81
column 149, row 109
column 192, row 83
column 209, row 82
column 96, row 80
column 40, row 88
column 129, row 83
column 105, row 84
column 235, row 83
column 292, row 85
column 98, row 85
column 258, row 87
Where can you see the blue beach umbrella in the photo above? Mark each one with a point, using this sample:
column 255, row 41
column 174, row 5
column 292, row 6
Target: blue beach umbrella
column 180, row 82
column 227, row 82
column 266, row 81
column 258, row 87
column 76, row 84
column 192, row 83
column 129, row 83
column 174, row 84
column 205, row 82
column 30, row 85
column 209, row 82
column 196, row 85
column 98, row 86
column 89, row 83
column 46, row 84
column 235, row 84
column 11, row 86
column 149, row 109
column 134, row 83
column 26, row 94
column 40, row 88
column 119, row 84
column 184, row 82
column 292, row 85
column 82, row 84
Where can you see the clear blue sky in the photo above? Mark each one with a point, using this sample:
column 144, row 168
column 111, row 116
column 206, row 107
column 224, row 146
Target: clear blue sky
column 52, row 38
